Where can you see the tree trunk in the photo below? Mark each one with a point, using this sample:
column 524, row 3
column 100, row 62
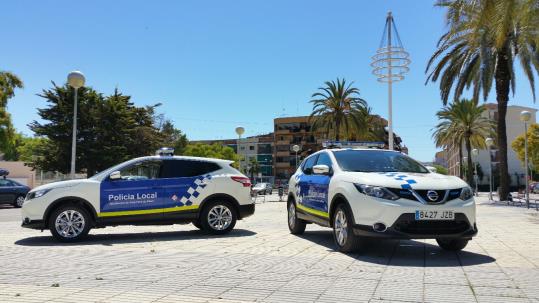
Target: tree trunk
column 469, row 164
column 503, row 78
column 461, row 175
column 337, row 129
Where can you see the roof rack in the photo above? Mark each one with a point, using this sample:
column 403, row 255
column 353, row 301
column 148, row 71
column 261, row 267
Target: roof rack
column 353, row 144
column 165, row 151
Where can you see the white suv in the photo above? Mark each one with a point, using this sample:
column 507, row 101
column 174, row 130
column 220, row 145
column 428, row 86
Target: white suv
column 379, row 193
column 210, row 193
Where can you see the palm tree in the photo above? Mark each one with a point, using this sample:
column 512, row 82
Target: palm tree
column 463, row 123
column 338, row 109
column 484, row 40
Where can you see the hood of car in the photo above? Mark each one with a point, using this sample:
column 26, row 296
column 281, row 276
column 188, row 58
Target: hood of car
column 406, row 180
column 61, row 184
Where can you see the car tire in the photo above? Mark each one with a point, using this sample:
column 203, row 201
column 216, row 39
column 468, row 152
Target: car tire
column 218, row 217
column 69, row 223
column 295, row 225
column 452, row 244
column 19, row 201
column 343, row 234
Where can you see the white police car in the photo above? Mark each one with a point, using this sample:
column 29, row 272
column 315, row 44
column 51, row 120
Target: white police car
column 161, row 189
column 379, row 193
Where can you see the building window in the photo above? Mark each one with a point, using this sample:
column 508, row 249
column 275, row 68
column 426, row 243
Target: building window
column 251, row 147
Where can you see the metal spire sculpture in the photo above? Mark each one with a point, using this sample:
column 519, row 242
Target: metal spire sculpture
column 389, row 64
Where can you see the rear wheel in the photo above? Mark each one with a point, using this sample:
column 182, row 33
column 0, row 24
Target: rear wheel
column 218, row 217
column 19, row 201
column 452, row 244
column 295, row 225
column 343, row 234
column 69, row 223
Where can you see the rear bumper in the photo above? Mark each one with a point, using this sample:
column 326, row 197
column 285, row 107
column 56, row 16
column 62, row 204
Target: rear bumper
column 33, row 224
column 246, row 210
column 406, row 227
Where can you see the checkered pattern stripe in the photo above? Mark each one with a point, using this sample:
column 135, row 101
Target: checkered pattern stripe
column 194, row 190
column 407, row 182
column 297, row 188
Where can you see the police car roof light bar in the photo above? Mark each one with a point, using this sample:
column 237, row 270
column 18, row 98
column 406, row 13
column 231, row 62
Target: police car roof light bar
column 165, row 151
column 352, row 144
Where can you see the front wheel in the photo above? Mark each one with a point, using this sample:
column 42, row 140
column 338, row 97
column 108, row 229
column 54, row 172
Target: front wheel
column 218, row 217
column 295, row 225
column 69, row 223
column 343, row 234
column 19, row 202
column 452, row 244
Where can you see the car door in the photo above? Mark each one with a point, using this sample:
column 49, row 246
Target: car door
column 320, row 185
column 139, row 191
column 305, row 182
column 185, row 184
column 6, row 191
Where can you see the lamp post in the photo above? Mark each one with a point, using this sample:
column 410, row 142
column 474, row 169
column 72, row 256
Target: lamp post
column 76, row 80
column 475, row 153
column 295, row 148
column 389, row 64
column 489, row 142
column 240, row 131
column 525, row 116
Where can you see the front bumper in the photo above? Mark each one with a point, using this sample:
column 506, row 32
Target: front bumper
column 406, row 227
column 33, row 224
column 246, row 210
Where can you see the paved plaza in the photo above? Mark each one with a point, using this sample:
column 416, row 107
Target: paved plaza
column 261, row 261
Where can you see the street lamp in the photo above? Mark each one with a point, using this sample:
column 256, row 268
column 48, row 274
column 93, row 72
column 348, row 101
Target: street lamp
column 240, row 131
column 76, row 80
column 525, row 116
column 475, row 153
column 295, row 148
column 489, row 142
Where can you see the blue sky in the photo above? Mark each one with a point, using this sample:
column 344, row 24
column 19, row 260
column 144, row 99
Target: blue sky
column 218, row 64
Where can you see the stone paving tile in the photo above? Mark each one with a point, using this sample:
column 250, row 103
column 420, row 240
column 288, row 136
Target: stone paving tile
column 261, row 261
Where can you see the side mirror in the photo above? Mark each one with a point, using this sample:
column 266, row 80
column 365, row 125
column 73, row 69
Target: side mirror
column 321, row 169
column 432, row 169
column 115, row 175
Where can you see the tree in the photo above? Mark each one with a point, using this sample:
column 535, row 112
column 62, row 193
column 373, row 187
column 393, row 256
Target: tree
column 109, row 130
column 338, row 109
column 462, row 123
column 440, row 169
column 533, row 146
column 215, row 150
column 484, row 40
column 173, row 137
column 253, row 168
column 8, row 83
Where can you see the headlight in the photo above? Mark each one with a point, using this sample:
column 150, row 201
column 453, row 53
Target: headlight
column 466, row 194
column 37, row 194
column 376, row 191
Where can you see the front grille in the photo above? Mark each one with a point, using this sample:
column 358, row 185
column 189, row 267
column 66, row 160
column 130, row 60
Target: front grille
column 406, row 223
column 407, row 194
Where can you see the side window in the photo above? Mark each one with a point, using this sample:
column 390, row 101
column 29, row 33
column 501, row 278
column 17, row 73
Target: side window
column 308, row 165
column 144, row 170
column 4, row 183
column 187, row 168
column 324, row 159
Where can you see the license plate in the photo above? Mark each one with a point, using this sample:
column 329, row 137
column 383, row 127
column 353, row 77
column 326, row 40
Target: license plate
column 434, row 215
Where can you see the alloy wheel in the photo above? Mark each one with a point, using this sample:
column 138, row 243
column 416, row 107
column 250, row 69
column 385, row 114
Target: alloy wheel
column 20, row 201
column 291, row 215
column 341, row 227
column 69, row 223
column 219, row 217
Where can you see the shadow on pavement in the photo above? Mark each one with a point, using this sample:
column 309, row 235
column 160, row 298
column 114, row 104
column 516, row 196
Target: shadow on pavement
column 126, row 238
column 402, row 252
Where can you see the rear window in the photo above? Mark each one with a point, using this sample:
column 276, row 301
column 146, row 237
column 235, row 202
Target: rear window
column 187, row 168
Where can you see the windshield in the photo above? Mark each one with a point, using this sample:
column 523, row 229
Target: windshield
column 377, row 161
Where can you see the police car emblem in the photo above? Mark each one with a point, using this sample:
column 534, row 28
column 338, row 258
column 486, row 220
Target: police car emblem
column 174, row 198
column 432, row 195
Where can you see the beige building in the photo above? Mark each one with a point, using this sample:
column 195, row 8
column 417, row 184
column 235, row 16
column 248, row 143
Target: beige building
column 515, row 127
column 19, row 172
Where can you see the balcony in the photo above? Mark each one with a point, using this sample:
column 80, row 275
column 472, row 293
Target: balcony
column 282, row 165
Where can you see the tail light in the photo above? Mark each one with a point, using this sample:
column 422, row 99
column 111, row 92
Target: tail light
column 243, row 180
